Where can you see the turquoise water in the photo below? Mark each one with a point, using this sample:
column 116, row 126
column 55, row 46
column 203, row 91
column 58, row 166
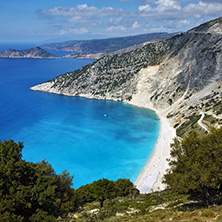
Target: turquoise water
column 91, row 139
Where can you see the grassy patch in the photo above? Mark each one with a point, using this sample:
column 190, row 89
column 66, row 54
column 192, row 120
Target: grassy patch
column 189, row 125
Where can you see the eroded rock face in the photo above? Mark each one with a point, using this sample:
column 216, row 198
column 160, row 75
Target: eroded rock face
column 111, row 77
column 169, row 75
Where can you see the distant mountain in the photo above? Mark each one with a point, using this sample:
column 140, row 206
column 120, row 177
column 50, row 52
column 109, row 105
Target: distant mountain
column 100, row 47
column 35, row 52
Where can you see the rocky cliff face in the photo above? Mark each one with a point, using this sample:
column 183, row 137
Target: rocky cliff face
column 180, row 77
column 112, row 77
column 36, row 52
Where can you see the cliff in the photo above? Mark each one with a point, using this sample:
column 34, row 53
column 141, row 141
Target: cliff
column 36, row 52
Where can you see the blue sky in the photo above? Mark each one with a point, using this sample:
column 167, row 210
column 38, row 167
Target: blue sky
column 58, row 20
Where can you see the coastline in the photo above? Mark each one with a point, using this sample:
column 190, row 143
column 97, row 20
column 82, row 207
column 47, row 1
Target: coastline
column 150, row 178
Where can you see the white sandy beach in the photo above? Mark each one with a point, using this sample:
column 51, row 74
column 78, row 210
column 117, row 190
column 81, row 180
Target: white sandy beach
column 150, row 178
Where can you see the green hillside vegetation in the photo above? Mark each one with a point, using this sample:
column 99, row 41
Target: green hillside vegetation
column 189, row 126
column 162, row 206
column 34, row 192
column 196, row 166
column 31, row 191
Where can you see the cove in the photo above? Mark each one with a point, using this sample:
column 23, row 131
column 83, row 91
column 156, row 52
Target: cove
column 91, row 139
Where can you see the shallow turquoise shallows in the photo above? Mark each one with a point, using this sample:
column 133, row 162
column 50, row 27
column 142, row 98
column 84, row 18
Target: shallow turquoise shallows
column 91, row 139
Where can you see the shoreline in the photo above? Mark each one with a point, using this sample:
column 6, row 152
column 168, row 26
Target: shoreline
column 150, row 178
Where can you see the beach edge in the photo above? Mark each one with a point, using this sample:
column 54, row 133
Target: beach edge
column 151, row 176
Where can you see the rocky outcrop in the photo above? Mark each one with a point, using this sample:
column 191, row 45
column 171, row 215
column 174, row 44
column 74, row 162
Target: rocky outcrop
column 36, row 52
column 178, row 76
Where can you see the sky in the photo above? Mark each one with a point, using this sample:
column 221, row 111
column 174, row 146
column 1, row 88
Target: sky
column 61, row 20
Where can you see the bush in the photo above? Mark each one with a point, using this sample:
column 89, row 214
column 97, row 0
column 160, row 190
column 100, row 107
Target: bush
column 195, row 166
column 219, row 218
column 31, row 191
column 104, row 189
column 208, row 213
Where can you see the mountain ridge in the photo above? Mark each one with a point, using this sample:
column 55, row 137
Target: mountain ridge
column 97, row 48
column 35, row 52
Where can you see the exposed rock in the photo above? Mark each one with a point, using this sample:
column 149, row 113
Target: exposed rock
column 171, row 75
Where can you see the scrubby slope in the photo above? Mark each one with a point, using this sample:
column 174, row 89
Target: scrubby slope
column 179, row 76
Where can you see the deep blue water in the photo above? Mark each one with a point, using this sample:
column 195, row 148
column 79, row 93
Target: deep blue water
column 91, row 139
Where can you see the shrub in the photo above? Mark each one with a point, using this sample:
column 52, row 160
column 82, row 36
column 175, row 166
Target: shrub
column 195, row 166
column 208, row 213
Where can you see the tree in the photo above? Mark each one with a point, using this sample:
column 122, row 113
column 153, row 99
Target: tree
column 105, row 189
column 196, row 165
column 31, row 191
column 125, row 187
column 102, row 190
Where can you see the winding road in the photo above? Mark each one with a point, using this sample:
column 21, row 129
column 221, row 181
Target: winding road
column 200, row 122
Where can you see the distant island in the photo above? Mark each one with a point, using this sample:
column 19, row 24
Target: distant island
column 97, row 48
column 35, row 52
column 88, row 49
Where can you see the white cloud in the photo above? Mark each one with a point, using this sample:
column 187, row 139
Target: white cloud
column 183, row 22
column 135, row 25
column 82, row 10
column 82, row 30
column 117, row 28
column 159, row 29
column 79, row 31
column 164, row 5
column 75, row 19
column 63, row 32
column 203, row 8
column 151, row 15
column 116, row 20
column 145, row 8
column 171, row 9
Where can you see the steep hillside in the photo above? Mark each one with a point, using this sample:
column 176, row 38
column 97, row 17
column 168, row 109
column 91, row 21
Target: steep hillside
column 36, row 52
column 179, row 76
column 97, row 48
column 112, row 77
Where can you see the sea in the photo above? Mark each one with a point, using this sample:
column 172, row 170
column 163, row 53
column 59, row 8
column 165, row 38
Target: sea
column 91, row 139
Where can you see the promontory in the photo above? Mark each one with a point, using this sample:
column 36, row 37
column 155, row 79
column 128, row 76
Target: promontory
column 35, row 52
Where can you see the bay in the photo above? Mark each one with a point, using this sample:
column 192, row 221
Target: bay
column 91, row 139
